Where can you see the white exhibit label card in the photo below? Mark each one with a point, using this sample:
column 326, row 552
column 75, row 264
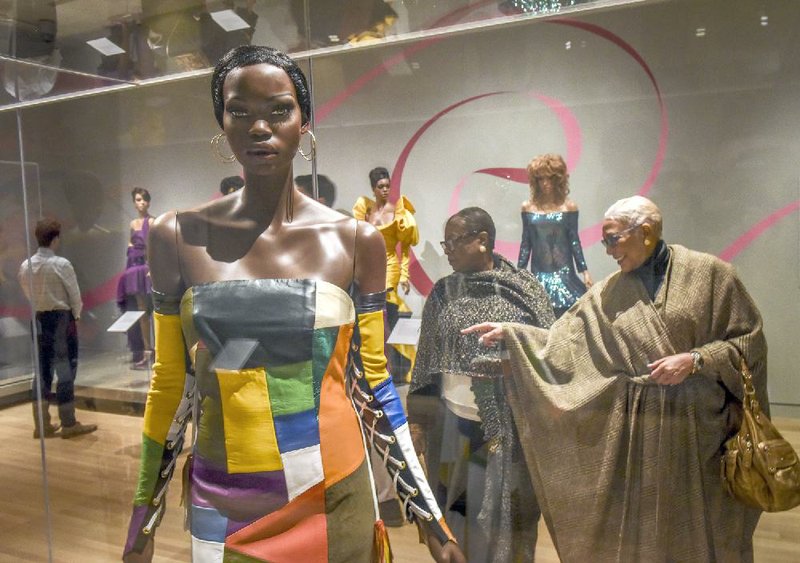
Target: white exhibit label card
column 229, row 20
column 406, row 331
column 126, row 321
column 106, row 47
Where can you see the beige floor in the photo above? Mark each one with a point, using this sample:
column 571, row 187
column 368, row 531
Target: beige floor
column 91, row 481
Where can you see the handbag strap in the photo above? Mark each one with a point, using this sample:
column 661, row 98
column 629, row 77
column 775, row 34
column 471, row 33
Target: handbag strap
column 750, row 402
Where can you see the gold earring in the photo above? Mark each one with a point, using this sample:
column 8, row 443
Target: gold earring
column 311, row 155
column 216, row 141
column 482, row 248
column 647, row 242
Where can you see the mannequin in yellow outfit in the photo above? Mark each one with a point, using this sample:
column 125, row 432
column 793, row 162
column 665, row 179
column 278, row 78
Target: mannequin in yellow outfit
column 396, row 223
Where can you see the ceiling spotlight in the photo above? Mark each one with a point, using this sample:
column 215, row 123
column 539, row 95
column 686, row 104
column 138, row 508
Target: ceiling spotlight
column 764, row 20
column 568, row 45
column 700, row 32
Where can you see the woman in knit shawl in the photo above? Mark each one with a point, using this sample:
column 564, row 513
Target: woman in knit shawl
column 457, row 409
column 624, row 405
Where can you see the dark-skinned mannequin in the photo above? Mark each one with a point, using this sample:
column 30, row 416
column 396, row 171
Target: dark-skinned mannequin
column 135, row 279
column 267, row 230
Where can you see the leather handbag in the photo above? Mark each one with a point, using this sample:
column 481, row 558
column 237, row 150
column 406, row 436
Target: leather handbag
column 759, row 467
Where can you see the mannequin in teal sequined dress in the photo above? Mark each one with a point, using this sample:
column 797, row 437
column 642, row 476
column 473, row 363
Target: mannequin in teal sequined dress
column 550, row 234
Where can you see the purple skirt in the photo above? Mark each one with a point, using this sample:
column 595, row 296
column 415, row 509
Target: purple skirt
column 135, row 281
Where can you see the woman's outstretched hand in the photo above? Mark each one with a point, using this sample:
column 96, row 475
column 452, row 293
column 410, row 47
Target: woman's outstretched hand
column 450, row 552
column 490, row 333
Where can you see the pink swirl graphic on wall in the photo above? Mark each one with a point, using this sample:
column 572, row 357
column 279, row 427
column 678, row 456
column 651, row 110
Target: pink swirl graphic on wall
column 105, row 291
column 758, row 230
column 572, row 135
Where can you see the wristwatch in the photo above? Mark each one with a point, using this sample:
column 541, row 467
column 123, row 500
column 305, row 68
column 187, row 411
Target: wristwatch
column 697, row 362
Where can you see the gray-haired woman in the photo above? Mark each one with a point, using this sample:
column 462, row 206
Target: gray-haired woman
column 623, row 407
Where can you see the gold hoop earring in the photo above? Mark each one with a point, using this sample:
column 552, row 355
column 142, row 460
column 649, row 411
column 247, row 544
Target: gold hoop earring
column 311, row 155
column 216, row 141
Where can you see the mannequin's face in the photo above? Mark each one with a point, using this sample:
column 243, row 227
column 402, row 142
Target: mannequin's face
column 545, row 183
column 381, row 190
column 141, row 204
column 262, row 119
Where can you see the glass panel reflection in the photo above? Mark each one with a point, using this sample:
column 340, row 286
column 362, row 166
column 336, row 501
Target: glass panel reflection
column 692, row 104
column 138, row 40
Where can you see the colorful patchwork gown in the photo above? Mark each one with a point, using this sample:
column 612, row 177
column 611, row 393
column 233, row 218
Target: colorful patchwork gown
column 289, row 380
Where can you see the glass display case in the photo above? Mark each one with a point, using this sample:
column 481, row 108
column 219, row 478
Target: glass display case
column 691, row 104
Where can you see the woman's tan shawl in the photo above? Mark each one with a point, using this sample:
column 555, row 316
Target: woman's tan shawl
column 625, row 469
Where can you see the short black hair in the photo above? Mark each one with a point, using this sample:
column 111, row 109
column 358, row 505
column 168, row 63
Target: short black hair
column 325, row 186
column 247, row 55
column 46, row 231
column 477, row 219
column 142, row 192
column 377, row 174
column 231, row 184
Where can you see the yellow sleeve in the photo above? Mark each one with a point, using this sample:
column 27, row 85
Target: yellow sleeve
column 385, row 426
column 169, row 377
column 167, row 411
column 361, row 208
column 407, row 232
column 373, row 358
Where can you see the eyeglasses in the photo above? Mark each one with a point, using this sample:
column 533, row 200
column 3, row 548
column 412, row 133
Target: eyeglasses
column 449, row 245
column 610, row 241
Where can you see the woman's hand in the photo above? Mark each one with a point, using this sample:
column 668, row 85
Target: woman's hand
column 491, row 333
column 672, row 370
column 450, row 552
column 587, row 279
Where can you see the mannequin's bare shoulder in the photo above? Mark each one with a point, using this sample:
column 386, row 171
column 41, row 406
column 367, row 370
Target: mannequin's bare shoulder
column 209, row 212
column 322, row 213
column 370, row 259
column 527, row 206
column 162, row 229
column 369, row 238
column 570, row 205
column 162, row 254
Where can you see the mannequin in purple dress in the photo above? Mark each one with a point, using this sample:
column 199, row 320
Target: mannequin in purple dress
column 133, row 291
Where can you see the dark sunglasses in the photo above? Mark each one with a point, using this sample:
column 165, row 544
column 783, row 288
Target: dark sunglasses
column 610, row 241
